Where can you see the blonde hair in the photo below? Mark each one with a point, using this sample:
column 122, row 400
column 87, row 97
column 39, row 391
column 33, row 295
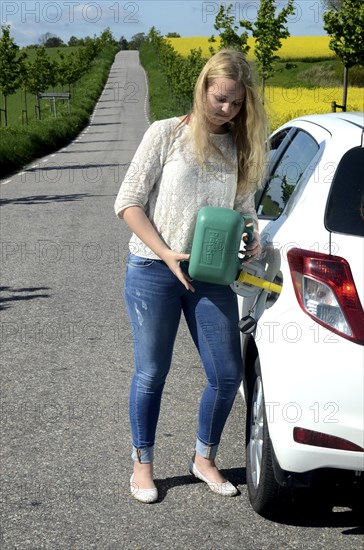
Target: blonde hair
column 249, row 127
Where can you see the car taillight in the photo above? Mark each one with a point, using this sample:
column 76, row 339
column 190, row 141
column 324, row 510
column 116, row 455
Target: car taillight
column 319, row 439
column 326, row 291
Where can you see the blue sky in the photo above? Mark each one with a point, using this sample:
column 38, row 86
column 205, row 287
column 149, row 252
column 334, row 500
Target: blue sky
column 29, row 20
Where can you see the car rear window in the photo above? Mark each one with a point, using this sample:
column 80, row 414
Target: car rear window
column 345, row 204
column 291, row 154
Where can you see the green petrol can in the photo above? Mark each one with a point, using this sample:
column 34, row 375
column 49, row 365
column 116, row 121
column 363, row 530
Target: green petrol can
column 216, row 244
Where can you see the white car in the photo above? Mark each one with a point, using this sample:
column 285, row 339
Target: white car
column 303, row 335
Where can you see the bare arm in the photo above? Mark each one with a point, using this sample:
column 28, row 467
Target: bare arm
column 136, row 219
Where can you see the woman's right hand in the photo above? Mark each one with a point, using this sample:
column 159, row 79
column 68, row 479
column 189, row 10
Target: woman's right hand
column 140, row 224
column 173, row 260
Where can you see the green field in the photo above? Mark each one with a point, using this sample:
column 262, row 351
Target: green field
column 20, row 101
column 21, row 143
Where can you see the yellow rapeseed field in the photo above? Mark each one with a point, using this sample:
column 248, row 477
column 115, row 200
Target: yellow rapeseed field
column 292, row 47
column 298, row 47
column 283, row 104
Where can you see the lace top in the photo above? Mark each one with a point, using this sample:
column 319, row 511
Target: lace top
column 166, row 179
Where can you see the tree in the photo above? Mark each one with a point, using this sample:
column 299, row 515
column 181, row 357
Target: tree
column 180, row 72
column 287, row 189
column 268, row 32
column 192, row 67
column 106, row 38
column 68, row 69
column 50, row 40
column 41, row 74
column 73, row 41
column 54, row 42
column 173, row 35
column 345, row 25
column 328, row 4
column 11, row 67
column 44, row 37
column 229, row 37
column 123, row 43
column 91, row 49
column 137, row 40
column 82, row 61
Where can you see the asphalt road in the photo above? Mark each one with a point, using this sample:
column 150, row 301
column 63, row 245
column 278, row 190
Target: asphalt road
column 66, row 363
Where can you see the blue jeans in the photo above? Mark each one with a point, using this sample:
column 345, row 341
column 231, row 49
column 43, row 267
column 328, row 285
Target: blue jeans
column 155, row 299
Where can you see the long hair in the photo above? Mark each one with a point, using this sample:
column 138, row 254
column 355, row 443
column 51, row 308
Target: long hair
column 249, row 127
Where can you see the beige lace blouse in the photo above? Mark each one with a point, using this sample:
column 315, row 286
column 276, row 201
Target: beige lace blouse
column 167, row 181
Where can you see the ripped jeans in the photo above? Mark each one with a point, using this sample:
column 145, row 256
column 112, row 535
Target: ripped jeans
column 155, row 299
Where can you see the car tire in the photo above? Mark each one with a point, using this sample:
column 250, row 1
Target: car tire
column 263, row 489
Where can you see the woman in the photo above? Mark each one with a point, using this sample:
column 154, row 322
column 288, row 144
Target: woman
column 214, row 156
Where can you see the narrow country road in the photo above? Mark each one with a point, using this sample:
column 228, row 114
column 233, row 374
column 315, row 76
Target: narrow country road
column 66, row 364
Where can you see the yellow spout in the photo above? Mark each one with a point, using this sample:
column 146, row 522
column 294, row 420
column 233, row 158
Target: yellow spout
column 245, row 277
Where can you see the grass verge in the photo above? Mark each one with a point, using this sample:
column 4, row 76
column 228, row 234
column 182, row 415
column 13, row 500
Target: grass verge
column 161, row 103
column 21, row 145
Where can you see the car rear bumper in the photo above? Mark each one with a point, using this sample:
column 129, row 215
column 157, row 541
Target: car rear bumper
column 315, row 382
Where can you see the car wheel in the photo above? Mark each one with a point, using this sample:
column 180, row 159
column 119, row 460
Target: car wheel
column 263, row 489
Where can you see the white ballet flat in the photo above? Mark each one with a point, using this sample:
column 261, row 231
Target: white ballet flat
column 225, row 489
column 143, row 495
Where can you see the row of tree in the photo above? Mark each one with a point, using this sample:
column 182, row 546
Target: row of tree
column 40, row 74
column 268, row 30
column 343, row 21
column 181, row 72
column 50, row 40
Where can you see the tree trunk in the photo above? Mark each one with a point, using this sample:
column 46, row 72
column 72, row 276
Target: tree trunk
column 345, row 88
column 5, row 111
column 37, row 107
column 25, row 110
